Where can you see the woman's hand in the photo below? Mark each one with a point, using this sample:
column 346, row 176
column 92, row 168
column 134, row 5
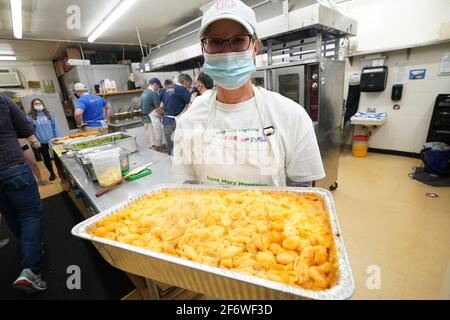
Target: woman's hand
column 34, row 141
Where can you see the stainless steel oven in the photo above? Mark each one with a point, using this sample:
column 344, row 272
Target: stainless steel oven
column 260, row 79
column 290, row 82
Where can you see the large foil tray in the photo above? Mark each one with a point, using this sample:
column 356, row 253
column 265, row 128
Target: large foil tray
column 212, row 281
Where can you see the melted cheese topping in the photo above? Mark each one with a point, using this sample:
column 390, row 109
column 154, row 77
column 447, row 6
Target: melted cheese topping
column 279, row 236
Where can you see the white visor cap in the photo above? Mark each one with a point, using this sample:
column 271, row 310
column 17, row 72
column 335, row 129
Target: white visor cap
column 79, row 87
column 231, row 10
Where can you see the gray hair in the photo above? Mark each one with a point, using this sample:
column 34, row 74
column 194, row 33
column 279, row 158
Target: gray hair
column 184, row 77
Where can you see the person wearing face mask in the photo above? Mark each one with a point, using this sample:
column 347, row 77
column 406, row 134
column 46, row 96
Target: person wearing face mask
column 176, row 99
column 46, row 130
column 204, row 86
column 242, row 135
column 152, row 119
column 91, row 112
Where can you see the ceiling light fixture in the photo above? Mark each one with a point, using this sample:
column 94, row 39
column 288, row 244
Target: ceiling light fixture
column 16, row 14
column 8, row 58
column 112, row 17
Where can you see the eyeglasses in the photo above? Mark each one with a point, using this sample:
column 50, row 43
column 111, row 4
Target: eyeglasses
column 238, row 43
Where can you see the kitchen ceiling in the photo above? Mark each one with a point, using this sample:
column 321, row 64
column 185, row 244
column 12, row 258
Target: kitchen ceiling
column 46, row 20
column 46, row 35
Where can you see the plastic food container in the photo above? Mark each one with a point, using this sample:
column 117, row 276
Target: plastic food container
column 107, row 167
column 85, row 159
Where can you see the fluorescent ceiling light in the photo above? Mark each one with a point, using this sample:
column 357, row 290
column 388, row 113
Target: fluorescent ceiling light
column 6, row 52
column 112, row 17
column 16, row 14
column 8, row 58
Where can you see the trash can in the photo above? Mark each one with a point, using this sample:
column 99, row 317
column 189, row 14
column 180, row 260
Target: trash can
column 360, row 146
column 436, row 157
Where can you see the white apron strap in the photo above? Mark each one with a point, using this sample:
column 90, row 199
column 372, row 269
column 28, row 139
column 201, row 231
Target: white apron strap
column 278, row 166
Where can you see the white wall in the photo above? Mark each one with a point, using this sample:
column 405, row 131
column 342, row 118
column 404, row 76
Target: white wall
column 406, row 129
column 384, row 24
column 394, row 23
column 32, row 71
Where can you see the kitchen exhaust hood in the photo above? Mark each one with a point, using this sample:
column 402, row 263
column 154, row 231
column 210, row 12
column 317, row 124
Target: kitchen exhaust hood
column 182, row 49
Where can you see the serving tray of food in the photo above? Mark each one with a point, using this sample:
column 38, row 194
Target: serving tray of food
column 76, row 136
column 229, row 243
column 119, row 139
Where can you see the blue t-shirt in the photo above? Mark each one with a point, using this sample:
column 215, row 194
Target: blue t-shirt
column 92, row 106
column 175, row 100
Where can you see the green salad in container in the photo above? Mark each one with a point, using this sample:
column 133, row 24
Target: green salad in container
column 96, row 142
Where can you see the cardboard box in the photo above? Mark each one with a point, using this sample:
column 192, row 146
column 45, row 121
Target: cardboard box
column 73, row 53
column 66, row 66
column 59, row 67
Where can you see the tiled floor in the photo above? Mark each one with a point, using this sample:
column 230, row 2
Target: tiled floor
column 52, row 189
column 389, row 223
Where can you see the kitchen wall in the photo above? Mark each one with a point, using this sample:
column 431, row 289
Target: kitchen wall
column 406, row 129
column 395, row 23
column 32, row 71
column 385, row 24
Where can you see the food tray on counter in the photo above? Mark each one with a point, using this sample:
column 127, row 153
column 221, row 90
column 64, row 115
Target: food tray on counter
column 119, row 139
column 74, row 137
column 214, row 281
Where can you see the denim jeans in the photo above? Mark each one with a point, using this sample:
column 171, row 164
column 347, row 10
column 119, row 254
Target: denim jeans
column 21, row 206
column 168, row 132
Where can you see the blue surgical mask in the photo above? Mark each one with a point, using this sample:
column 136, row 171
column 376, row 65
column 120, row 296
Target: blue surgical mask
column 230, row 70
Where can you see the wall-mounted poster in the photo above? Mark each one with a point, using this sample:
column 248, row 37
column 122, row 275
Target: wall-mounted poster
column 417, row 74
column 444, row 68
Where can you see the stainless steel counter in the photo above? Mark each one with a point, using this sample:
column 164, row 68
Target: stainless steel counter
column 123, row 126
column 162, row 173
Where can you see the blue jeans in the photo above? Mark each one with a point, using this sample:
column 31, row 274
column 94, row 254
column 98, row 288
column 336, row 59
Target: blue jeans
column 21, row 206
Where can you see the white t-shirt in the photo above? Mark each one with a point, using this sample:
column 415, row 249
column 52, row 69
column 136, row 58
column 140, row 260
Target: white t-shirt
column 240, row 125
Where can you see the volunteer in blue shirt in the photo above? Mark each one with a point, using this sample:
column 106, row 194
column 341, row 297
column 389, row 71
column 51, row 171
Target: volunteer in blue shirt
column 167, row 84
column 176, row 99
column 46, row 130
column 91, row 112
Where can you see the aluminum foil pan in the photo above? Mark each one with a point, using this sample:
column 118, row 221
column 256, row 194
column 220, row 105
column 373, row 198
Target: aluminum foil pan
column 212, row 281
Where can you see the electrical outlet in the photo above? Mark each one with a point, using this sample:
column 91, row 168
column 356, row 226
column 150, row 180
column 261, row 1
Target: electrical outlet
column 371, row 110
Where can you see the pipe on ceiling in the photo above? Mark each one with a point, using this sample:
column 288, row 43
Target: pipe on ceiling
column 198, row 29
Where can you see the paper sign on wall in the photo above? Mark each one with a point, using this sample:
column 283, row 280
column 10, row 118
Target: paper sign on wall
column 417, row 74
column 444, row 68
column 401, row 72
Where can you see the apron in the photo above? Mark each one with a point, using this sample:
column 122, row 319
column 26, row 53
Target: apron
column 85, row 126
column 269, row 155
column 176, row 120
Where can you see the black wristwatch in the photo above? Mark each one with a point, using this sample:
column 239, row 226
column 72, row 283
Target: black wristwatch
column 25, row 148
